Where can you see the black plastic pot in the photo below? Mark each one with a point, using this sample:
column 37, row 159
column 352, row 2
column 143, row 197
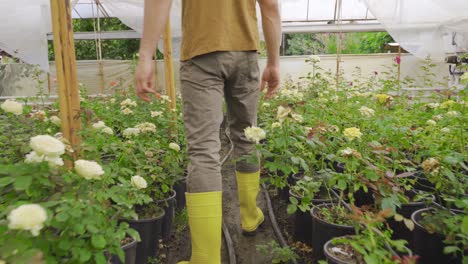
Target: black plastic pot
column 180, row 187
column 130, row 251
column 363, row 198
column 323, row 231
column 430, row 246
column 150, row 233
column 168, row 205
column 303, row 220
column 400, row 231
column 331, row 259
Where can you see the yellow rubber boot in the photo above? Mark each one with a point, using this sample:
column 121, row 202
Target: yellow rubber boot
column 205, row 222
column 248, row 186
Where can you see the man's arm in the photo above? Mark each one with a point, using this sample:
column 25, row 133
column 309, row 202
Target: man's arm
column 271, row 22
column 155, row 18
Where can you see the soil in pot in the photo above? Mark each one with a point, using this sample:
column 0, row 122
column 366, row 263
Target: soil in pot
column 180, row 187
column 430, row 246
column 341, row 254
column 328, row 221
column 150, row 233
column 168, row 204
column 400, row 231
column 363, row 198
column 303, row 220
column 129, row 246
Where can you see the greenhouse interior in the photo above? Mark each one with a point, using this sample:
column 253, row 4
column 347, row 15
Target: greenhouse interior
column 233, row 131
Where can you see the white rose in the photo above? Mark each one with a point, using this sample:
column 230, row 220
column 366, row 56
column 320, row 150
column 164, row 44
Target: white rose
column 128, row 102
column 99, row 125
column 156, row 113
column 254, row 134
column 437, row 117
column 266, row 105
column 282, row 113
column 276, row 125
column 131, row 131
column 432, row 105
column 55, row 120
column 29, row 217
column 47, row 145
column 139, row 182
column 33, row 157
column 88, row 169
column 127, row 111
column 347, row 152
column 297, row 117
column 445, row 130
column 107, row 130
column 314, row 58
column 11, row 106
column 452, row 113
column 431, row 122
column 146, row 127
column 165, row 98
column 366, row 111
column 174, row 146
column 112, row 100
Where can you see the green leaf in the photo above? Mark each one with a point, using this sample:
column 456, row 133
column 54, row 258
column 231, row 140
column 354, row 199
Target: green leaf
column 62, row 217
column 409, row 224
column 99, row 258
column 398, row 217
column 292, row 209
column 22, row 183
column 5, row 181
column 464, row 227
column 98, row 241
column 342, row 184
column 293, row 200
column 450, row 249
column 85, row 255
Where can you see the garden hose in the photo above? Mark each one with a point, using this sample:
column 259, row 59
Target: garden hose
column 227, row 235
column 274, row 223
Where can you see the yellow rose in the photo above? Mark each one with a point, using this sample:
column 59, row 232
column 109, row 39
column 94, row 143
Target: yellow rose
column 352, row 133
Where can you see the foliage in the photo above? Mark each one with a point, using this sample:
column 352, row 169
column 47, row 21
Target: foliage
column 278, row 253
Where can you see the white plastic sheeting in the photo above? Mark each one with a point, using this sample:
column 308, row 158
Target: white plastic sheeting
column 425, row 27
column 23, row 28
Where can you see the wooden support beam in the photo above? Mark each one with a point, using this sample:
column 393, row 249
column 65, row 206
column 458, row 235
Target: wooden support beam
column 169, row 66
column 65, row 62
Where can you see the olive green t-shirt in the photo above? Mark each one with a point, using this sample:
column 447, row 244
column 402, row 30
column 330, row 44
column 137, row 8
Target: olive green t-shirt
column 218, row 25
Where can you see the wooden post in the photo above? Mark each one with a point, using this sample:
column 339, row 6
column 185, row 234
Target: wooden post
column 169, row 66
column 65, row 62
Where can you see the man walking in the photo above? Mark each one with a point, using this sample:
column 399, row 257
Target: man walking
column 219, row 60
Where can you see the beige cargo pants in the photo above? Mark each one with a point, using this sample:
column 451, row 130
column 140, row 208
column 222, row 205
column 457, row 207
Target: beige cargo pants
column 205, row 81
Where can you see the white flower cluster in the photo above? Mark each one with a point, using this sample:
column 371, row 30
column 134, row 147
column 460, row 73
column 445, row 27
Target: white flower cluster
column 174, row 146
column 431, row 122
column 89, row 170
column 433, row 105
column 138, row 182
column 101, row 126
column 125, row 106
column 165, row 98
column 131, row 131
column 452, row 113
column 11, row 106
column 445, row 130
column 283, row 112
column 146, row 127
column 156, row 113
column 366, row 111
column 46, row 148
column 437, row 117
column 314, row 58
column 30, row 217
column 347, row 152
column 276, row 125
column 254, row 134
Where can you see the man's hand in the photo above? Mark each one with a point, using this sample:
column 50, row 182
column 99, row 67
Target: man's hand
column 270, row 78
column 144, row 79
